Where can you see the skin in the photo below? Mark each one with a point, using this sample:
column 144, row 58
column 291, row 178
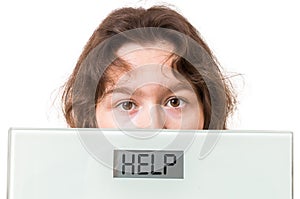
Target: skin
column 148, row 95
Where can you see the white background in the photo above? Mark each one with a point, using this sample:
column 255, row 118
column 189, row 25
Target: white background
column 41, row 40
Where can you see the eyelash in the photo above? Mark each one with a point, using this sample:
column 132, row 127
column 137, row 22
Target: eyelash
column 181, row 101
column 133, row 105
column 119, row 105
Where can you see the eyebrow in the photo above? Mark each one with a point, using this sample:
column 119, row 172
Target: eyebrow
column 181, row 86
column 173, row 88
column 124, row 90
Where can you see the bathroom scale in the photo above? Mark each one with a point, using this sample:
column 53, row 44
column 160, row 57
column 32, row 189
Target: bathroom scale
column 141, row 163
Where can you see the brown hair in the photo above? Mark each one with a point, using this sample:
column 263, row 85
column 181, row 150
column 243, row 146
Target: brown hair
column 87, row 82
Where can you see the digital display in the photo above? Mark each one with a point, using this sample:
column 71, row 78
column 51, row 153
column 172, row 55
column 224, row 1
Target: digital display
column 148, row 164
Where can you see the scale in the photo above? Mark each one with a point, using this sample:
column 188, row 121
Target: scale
column 114, row 164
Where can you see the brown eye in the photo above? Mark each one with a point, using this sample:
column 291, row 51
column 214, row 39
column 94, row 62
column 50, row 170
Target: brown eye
column 175, row 102
column 127, row 106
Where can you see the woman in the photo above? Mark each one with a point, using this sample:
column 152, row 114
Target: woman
column 147, row 68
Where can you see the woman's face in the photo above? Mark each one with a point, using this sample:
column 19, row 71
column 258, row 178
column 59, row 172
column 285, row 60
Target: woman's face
column 149, row 94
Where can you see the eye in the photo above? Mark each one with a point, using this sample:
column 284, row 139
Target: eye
column 175, row 102
column 126, row 106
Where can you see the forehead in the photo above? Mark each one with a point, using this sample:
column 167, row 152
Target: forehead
column 137, row 55
column 148, row 71
column 147, row 64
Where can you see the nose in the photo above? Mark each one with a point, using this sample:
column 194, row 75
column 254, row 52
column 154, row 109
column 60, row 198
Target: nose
column 151, row 117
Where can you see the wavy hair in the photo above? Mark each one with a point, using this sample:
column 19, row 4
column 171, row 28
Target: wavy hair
column 87, row 83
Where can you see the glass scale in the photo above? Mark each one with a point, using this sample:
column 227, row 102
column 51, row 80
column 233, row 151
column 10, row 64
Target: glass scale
column 134, row 164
